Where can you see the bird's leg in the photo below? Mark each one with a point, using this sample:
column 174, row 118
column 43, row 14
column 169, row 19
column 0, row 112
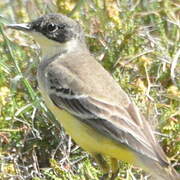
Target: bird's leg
column 114, row 168
column 104, row 165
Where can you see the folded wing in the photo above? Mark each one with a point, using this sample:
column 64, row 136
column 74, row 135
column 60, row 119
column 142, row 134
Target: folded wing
column 107, row 118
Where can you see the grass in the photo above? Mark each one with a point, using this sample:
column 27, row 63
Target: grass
column 137, row 41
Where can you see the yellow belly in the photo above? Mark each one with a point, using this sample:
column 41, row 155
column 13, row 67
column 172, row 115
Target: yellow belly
column 88, row 138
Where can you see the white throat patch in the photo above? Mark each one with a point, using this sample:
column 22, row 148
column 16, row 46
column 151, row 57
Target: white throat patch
column 51, row 48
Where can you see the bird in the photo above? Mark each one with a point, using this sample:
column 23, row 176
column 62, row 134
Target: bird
column 91, row 106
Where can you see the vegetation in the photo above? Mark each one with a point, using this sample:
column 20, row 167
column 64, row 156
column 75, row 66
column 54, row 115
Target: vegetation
column 135, row 40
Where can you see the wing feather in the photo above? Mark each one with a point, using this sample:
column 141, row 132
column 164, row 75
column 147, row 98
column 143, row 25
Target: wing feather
column 109, row 119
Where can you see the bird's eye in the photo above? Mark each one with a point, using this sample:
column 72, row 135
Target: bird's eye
column 52, row 27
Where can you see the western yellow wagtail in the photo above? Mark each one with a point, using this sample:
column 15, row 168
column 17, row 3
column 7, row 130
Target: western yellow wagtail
column 89, row 104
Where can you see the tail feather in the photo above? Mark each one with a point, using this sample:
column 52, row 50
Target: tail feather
column 169, row 173
column 159, row 171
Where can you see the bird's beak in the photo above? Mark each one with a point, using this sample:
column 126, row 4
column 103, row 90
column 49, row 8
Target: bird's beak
column 22, row 27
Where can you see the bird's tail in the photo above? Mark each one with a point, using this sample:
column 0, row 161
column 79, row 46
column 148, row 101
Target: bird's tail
column 161, row 167
column 165, row 174
column 160, row 172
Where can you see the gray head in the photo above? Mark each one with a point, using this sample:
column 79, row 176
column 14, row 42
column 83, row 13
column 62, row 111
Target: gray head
column 54, row 30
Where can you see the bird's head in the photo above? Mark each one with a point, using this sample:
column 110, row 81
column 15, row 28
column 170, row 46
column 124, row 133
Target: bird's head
column 54, row 31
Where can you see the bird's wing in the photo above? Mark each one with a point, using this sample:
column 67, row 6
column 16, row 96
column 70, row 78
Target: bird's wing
column 109, row 119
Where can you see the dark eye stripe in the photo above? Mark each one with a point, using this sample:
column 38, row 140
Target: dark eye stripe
column 54, row 30
column 61, row 26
